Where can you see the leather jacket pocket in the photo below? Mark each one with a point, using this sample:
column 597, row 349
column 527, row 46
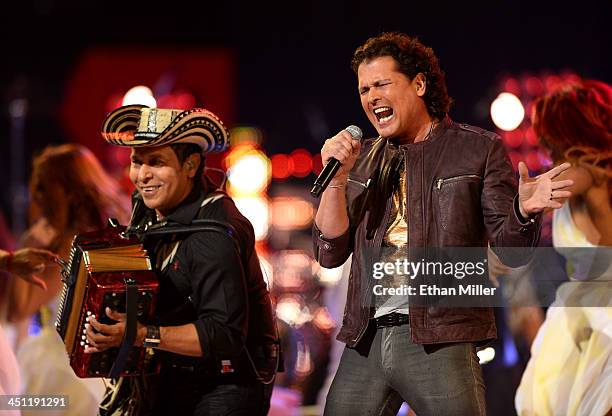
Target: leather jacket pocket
column 456, row 200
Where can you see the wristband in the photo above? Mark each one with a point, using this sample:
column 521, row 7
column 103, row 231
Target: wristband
column 152, row 339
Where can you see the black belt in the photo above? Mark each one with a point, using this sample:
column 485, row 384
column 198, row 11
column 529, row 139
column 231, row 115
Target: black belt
column 258, row 352
column 392, row 319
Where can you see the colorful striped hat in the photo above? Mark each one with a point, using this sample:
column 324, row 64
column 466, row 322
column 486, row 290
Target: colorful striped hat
column 141, row 126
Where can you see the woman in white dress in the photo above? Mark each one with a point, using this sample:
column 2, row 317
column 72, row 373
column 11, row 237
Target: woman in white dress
column 71, row 194
column 26, row 264
column 570, row 370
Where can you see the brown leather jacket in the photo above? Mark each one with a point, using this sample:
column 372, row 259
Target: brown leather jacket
column 461, row 192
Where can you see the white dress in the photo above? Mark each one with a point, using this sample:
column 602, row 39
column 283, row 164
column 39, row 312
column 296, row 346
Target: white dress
column 570, row 370
column 9, row 371
column 45, row 369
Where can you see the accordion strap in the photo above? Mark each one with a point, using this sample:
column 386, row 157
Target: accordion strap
column 197, row 225
column 131, row 297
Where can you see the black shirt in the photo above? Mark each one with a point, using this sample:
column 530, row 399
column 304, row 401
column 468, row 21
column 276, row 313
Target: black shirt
column 211, row 279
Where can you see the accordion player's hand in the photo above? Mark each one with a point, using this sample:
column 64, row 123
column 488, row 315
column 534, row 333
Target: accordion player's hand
column 102, row 336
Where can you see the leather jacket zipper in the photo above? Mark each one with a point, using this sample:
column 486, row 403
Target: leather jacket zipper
column 365, row 185
column 376, row 244
column 441, row 181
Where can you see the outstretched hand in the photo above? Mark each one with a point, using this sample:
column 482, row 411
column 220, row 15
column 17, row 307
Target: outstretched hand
column 28, row 262
column 542, row 191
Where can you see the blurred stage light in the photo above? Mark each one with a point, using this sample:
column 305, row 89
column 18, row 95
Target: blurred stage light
column 533, row 161
column 282, row 166
column 486, row 355
column 317, row 164
column 551, row 82
column 256, row 210
column 302, row 163
column 289, row 309
column 303, row 361
column 292, row 269
column 139, row 94
column 267, row 271
column 530, row 137
column 512, row 85
column 513, row 138
column 323, row 320
column 570, row 77
column 330, row 276
column 183, row 100
column 291, row 213
column 249, row 172
column 534, row 86
column 528, row 106
column 507, row 111
column 246, row 135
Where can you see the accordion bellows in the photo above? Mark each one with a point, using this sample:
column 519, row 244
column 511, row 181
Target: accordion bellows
column 100, row 262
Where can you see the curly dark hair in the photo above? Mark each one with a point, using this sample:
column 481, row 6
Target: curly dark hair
column 413, row 58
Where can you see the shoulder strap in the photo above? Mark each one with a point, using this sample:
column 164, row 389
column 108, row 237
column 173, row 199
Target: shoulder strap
column 197, row 225
column 182, row 231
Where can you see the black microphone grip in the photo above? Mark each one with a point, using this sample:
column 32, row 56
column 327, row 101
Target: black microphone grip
column 332, row 166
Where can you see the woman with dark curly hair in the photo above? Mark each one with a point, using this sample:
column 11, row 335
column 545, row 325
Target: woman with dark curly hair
column 570, row 370
column 425, row 181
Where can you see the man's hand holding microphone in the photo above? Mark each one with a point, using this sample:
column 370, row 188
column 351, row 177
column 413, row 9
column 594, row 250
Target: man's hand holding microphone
column 338, row 156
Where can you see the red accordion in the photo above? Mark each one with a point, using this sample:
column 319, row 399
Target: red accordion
column 107, row 269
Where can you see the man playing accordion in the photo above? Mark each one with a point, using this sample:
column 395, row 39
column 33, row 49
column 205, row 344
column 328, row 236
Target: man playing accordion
column 213, row 331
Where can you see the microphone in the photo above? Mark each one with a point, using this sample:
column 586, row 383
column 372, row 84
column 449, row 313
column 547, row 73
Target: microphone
column 332, row 166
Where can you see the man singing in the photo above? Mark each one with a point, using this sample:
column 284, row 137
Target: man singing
column 426, row 181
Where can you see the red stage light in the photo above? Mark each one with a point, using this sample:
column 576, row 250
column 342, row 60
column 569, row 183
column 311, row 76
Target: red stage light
column 511, row 85
column 528, row 109
column 182, row 100
column 302, row 163
column 282, row 166
column 113, row 101
column 317, row 164
column 513, row 138
column 96, row 86
column 551, row 82
column 530, row 137
column 570, row 77
column 532, row 160
column 534, row 86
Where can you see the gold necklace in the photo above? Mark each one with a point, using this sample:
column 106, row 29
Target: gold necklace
column 431, row 127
